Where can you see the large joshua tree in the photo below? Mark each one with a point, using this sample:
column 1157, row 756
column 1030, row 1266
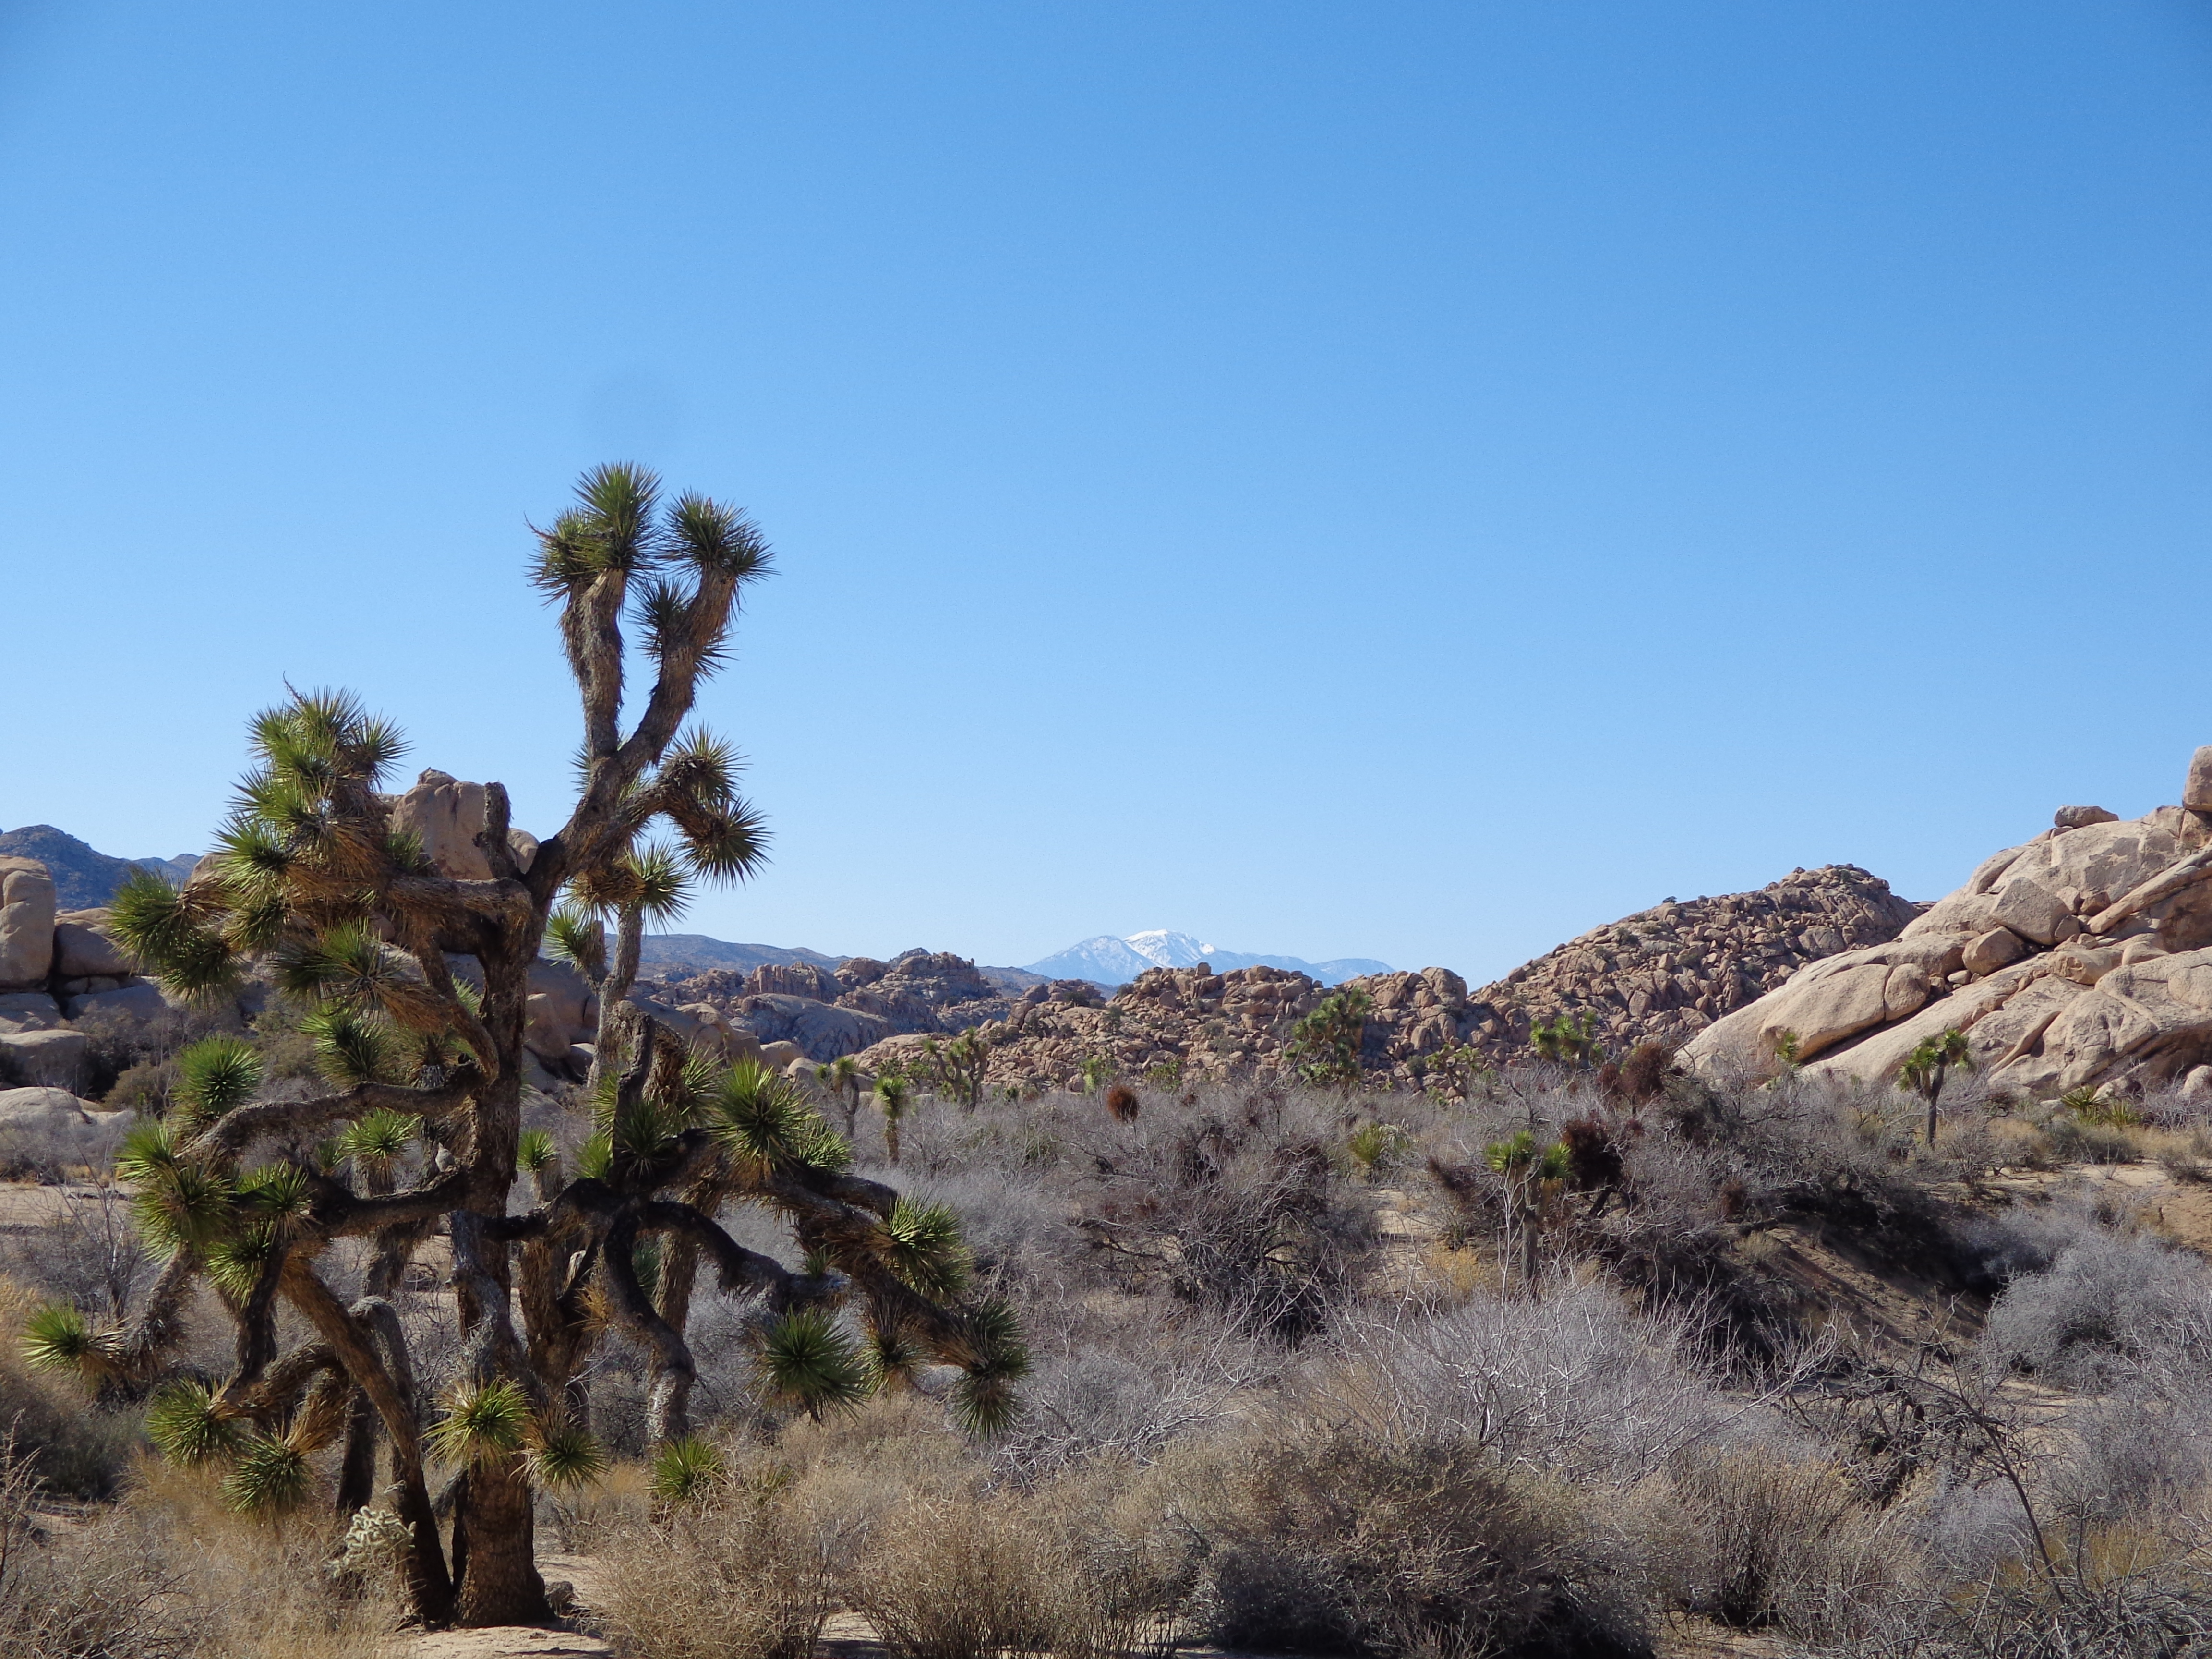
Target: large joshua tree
column 418, row 983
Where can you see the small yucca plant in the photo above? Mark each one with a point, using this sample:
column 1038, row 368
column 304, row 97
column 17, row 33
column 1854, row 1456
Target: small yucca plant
column 685, row 1470
column 535, row 1150
column 57, row 1338
column 562, row 1455
column 1373, row 1145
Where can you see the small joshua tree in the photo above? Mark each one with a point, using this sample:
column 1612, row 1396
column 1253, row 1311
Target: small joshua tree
column 961, row 1065
column 1455, row 1069
column 1325, row 1045
column 842, row 1076
column 1929, row 1063
column 312, row 883
column 1567, row 1040
column 894, row 1094
column 1534, row 1175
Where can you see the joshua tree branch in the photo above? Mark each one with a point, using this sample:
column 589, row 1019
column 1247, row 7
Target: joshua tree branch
column 231, row 1134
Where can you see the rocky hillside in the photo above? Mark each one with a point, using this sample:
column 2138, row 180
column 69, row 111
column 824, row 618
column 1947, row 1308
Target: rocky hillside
column 824, row 1013
column 83, row 878
column 1670, row 972
column 676, row 956
column 2080, row 958
column 1664, row 973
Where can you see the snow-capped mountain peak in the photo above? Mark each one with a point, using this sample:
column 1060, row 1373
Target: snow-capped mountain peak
column 1165, row 949
column 1108, row 960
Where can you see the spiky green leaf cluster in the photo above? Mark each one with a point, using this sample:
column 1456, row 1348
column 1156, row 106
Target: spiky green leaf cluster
column 182, row 1205
column 810, row 1362
column 57, row 1338
column 1521, row 1156
column 893, row 1357
column 354, row 1044
column 763, row 1120
column 214, row 1076
column 595, row 1159
column 482, row 1422
column 188, row 1428
column 272, row 1475
column 275, row 1192
column 686, row 1469
column 575, row 935
column 563, row 1456
column 177, row 936
column 656, row 881
column 235, row 1260
column 922, row 1245
column 377, row 1140
column 304, row 848
column 535, row 1150
column 983, row 1401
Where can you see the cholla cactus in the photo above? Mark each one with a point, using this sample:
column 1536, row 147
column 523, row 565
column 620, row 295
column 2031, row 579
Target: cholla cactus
column 312, row 883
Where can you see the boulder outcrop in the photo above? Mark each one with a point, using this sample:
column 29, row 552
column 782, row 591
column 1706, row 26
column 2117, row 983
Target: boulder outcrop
column 1666, row 973
column 446, row 815
column 42, row 1107
column 58, row 1059
column 2081, row 958
column 825, row 1014
column 27, row 923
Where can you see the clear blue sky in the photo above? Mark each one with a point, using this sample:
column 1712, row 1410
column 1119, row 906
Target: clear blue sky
column 1408, row 480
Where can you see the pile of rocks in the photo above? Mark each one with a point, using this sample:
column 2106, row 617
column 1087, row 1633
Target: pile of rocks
column 2083, row 958
column 56, row 967
column 1192, row 1023
column 1668, row 972
column 1664, row 973
column 823, row 1015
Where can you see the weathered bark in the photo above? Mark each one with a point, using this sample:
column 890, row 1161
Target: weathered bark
column 357, row 1469
column 352, row 1337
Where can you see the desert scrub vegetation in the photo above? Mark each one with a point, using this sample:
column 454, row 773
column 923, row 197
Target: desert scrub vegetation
column 1290, row 1382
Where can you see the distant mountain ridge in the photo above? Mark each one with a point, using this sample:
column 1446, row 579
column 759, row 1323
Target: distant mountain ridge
column 83, row 878
column 697, row 953
column 1107, row 960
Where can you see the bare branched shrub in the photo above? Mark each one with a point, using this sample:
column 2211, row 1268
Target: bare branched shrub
column 2103, row 1301
column 749, row 1576
column 957, row 1577
column 1333, row 1539
column 169, row 1574
column 1772, row 1537
column 1571, row 1383
column 1126, row 1402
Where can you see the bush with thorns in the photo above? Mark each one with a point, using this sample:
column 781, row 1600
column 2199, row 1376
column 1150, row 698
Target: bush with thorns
column 420, row 1128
